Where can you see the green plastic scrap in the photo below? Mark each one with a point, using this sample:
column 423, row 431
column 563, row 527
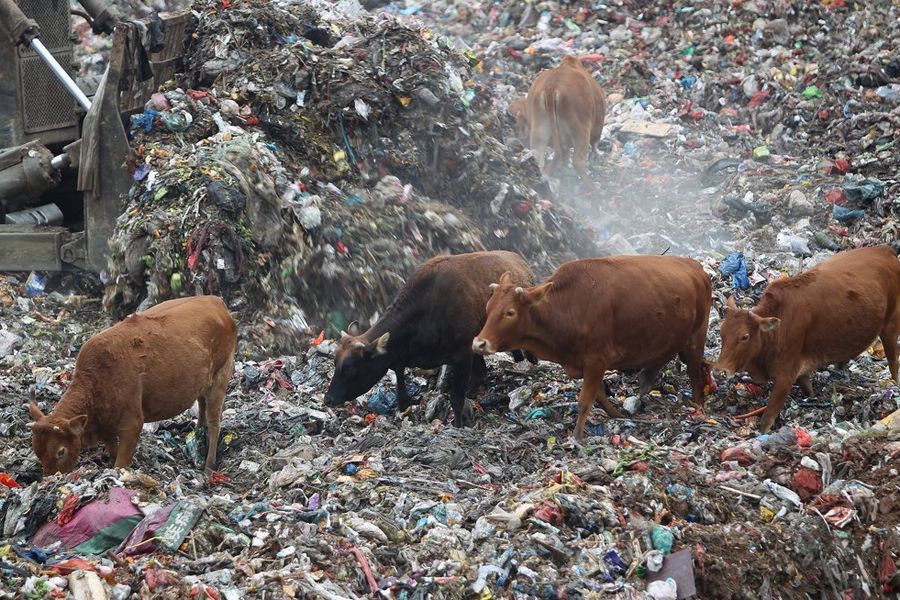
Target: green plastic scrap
column 812, row 91
column 182, row 519
column 662, row 539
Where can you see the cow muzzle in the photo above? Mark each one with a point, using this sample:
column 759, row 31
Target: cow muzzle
column 482, row 346
column 723, row 371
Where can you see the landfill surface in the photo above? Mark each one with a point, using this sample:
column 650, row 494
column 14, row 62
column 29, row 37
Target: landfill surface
column 311, row 154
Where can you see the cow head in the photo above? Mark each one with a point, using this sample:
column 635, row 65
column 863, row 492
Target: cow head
column 745, row 337
column 358, row 365
column 56, row 440
column 508, row 315
column 519, row 111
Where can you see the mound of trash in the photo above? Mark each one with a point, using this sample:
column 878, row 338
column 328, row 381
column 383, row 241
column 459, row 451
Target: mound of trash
column 309, row 158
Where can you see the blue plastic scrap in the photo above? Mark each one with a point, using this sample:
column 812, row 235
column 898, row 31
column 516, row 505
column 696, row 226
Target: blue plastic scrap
column 845, row 214
column 863, row 191
column 145, row 120
column 735, row 266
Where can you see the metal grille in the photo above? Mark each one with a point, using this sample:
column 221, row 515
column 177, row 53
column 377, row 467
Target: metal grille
column 46, row 103
column 53, row 18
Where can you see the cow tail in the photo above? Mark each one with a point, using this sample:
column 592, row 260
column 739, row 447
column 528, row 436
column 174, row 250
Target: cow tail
column 551, row 104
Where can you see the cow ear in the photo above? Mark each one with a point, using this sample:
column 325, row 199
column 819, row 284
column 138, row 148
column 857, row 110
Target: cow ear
column 35, row 412
column 380, row 345
column 506, row 278
column 78, row 424
column 539, row 293
column 769, row 323
column 353, row 329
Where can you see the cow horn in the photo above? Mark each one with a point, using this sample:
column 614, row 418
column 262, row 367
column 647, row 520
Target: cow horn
column 30, row 424
column 344, row 335
column 520, row 291
column 493, row 286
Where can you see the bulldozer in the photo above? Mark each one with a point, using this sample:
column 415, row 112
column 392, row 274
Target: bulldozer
column 64, row 146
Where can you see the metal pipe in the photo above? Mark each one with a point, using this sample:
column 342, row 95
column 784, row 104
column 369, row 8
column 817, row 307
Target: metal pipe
column 60, row 161
column 61, row 73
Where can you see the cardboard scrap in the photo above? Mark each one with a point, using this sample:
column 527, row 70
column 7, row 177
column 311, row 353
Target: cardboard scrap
column 892, row 419
column 646, row 128
column 680, row 567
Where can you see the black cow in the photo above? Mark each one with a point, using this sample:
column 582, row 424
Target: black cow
column 430, row 323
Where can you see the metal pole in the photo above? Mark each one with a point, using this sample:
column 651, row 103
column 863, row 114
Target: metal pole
column 60, row 161
column 61, row 73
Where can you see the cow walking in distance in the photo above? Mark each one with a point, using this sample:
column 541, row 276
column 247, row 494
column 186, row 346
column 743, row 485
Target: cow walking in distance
column 564, row 109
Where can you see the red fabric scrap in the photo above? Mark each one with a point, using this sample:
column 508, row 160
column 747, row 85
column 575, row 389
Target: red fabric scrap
column 803, row 438
column 887, row 571
column 70, row 505
column 548, row 512
column 739, row 455
column 835, row 196
column 759, row 97
column 157, row 578
column 842, row 165
column 806, row 483
column 70, row 565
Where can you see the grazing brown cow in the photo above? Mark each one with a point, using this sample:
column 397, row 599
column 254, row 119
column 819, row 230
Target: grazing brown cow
column 148, row 367
column 565, row 108
column 594, row 315
column 429, row 324
column 829, row 314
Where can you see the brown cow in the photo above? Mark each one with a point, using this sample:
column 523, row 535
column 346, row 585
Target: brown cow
column 429, row 324
column 150, row 366
column 594, row 315
column 826, row 315
column 565, row 108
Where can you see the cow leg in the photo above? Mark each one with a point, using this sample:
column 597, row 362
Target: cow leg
column 777, row 398
column 593, row 387
column 403, row 399
column 558, row 162
column 215, row 402
column 647, row 378
column 889, row 341
column 693, row 360
column 518, row 355
column 111, row 443
column 201, row 416
column 462, row 410
column 129, row 434
column 479, row 374
column 579, row 160
column 805, row 384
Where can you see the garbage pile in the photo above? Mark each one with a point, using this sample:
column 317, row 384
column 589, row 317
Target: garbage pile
column 310, row 190
column 309, row 501
column 737, row 133
column 774, row 117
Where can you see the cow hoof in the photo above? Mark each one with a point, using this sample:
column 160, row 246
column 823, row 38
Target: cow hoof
column 764, row 425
